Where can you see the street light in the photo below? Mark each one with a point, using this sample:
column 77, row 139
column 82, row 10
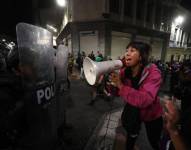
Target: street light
column 179, row 20
column 61, row 3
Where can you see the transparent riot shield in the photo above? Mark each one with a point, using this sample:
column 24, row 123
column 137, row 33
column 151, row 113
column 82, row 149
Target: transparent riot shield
column 61, row 81
column 36, row 57
column 61, row 63
column 36, row 54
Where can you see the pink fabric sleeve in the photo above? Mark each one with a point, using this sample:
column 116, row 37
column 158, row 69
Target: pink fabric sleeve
column 147, row 92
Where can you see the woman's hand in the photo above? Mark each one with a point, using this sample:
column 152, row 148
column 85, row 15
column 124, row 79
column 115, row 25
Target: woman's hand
column 171, row 116
column 115, row 79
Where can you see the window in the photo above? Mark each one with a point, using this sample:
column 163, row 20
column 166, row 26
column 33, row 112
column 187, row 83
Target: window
column 185, row 56
column 172, row 58
column 158, row 13
column 188, row 39
column 140, row 8
column 178, row 57
column 149, row 10
column 181, row 44
column 128, row 8
column 175, row 33
column 114, row 6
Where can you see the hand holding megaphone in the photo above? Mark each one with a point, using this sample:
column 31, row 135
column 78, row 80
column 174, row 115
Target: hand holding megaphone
column 115, row 79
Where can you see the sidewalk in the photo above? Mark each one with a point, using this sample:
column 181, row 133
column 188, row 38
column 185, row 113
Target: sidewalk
column 110, row 135
column 104, row 135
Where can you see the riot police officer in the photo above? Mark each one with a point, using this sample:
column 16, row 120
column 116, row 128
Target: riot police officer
column 12, row 116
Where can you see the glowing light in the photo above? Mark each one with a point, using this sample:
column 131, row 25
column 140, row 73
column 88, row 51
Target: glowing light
column 179, row 20
column 61, row 3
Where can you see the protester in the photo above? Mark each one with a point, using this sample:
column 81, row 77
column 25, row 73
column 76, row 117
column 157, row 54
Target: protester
column 138, row 84
column 92, row 56
column 97, row 89
column 70, row 63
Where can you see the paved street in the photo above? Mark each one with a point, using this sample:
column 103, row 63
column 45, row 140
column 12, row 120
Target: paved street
column 94, row 127
column 84, row 118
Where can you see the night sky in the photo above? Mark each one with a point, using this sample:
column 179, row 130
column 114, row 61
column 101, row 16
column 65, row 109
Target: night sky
column 14, row 11
column 186, row 4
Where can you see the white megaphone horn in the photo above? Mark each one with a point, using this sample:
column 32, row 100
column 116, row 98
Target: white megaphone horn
column 92, row 69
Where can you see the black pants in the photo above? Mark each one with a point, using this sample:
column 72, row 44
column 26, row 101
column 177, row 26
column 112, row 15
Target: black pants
column 132, row 124
column 154, row 130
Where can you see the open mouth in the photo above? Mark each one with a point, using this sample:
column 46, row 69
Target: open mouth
column 128, row 59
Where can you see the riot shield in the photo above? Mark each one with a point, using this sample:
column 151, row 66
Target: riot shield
column 36, row 58
column 61, row 82
column 36, row 54
column 61, row 63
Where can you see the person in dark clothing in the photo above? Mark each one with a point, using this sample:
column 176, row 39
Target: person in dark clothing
column 182, row 88
column 92, row 56
column 12, row 113
column 104, row 89
column 79, row 61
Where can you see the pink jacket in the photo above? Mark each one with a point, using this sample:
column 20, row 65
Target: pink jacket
column 145, row 97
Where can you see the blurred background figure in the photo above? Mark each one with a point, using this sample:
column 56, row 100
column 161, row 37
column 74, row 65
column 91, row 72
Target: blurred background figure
column 70, row 63
column 92, row 56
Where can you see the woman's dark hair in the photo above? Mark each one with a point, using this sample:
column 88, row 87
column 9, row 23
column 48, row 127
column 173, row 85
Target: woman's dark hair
column 144, row 49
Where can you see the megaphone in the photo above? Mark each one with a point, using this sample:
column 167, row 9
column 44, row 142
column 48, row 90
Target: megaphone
column 92, row 69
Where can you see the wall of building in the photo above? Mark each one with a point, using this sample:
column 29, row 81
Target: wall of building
column 153, row 21
column 180, row 39
column 119, row 43
column 156, row 45
column 89, row 42
column 84, row 10
column 180, row 31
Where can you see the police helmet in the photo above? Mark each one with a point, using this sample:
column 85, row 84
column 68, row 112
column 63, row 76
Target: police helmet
column 13, row 58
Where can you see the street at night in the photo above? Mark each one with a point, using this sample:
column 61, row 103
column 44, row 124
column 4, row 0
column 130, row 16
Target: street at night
column 95, row 75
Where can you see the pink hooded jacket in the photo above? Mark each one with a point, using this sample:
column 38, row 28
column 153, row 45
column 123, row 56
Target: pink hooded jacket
column 145, row 97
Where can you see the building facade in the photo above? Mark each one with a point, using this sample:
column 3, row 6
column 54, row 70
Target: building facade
column 180, row 39
column 109, row 25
